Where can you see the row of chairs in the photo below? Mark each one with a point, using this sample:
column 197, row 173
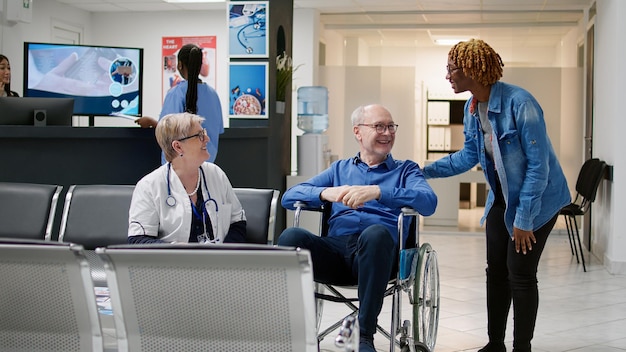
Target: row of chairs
column 97, row 215
column 164, row 298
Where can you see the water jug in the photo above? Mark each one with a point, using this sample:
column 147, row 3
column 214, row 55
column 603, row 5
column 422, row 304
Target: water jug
column 313, row 109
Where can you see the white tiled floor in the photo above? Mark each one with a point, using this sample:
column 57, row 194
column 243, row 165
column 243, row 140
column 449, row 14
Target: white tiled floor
column 579, row 311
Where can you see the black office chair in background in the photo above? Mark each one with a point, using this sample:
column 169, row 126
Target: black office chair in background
column 589, row 177
column 27, row 210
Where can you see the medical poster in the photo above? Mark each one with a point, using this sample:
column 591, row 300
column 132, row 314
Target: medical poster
column 170, row 48
column 247, row 30
column 248, row 88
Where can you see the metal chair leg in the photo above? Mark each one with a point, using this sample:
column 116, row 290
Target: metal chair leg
column 572, row 233
column 569, row 233
column 582, row 255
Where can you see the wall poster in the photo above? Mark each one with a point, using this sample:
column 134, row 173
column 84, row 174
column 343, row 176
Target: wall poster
column 248, row 88
column 247, row 30
column 170, row 48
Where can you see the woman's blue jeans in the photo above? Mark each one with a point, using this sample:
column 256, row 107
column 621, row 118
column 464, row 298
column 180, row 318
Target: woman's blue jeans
column 368, row 260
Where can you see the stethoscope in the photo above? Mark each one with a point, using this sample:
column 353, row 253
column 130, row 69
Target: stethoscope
column 171, row 201
column 258, row 30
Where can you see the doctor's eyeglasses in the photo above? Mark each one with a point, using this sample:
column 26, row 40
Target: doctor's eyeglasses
column 201, row 136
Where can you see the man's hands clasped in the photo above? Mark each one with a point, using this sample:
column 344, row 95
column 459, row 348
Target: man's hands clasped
column 351, row 196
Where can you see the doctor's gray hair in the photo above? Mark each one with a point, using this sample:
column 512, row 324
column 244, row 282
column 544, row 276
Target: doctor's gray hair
column 173, row 127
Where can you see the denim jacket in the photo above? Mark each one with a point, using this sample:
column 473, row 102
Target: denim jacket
column 533, row 183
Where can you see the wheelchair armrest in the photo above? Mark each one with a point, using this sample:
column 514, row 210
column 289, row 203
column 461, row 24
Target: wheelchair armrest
column 300, row 206
column 408, row 211
column 413, row 214
column 305, row 206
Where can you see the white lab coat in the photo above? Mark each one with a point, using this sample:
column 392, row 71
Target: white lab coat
column 150, row 214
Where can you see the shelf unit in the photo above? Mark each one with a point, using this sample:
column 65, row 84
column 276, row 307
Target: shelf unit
column 444, row 123
column 444, row 114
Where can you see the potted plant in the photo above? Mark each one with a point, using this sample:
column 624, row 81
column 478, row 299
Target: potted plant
column 284, row 73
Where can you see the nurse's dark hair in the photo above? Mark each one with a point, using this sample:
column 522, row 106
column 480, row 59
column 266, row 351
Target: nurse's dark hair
column 190, row 56
column 477, row 60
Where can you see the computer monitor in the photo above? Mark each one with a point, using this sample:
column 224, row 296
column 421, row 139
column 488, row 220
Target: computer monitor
column 103, row 80
column 36, row 111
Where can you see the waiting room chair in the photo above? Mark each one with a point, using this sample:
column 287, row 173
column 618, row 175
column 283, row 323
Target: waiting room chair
column 228, row 297
column 589, row 178
column 96, row 216
column 27, row 210
column 260, row 207
column 47, row 300
column 418, row 276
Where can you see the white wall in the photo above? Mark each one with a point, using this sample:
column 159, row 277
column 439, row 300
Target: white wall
column 609, row 125
column 306, row 59
column 123, row 29
column 141, row 30
column 353, row 86
column 44, row 14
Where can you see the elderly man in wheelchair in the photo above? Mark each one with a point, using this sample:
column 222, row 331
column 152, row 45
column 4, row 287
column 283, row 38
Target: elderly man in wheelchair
column 366, row 195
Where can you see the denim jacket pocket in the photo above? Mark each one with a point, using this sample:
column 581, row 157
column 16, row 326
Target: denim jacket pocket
column 510, row 145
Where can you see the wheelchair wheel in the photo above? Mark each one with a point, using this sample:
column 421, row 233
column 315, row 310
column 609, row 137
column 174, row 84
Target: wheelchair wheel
column 421, row 347
column 426, row 299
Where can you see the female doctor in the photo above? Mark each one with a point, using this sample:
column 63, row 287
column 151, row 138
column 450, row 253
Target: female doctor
column 187, row 199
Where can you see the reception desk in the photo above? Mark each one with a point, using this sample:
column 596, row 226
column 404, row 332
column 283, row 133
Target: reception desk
column 77, row 155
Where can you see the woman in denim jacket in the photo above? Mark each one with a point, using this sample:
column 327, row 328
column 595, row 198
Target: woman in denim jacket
column 506, row 133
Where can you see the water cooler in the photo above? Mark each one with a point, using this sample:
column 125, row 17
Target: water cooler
column 313, row 151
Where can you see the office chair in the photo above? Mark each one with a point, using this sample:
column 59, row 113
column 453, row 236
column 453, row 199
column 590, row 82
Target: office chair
column 589, row 177
column 260, row 207
column 47, row 300
column 27, row 210
column 96, row 216
column 418, row 276
column 228, row 297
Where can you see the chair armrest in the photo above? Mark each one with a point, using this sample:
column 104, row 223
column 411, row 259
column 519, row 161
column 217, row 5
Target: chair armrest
column 300, row 206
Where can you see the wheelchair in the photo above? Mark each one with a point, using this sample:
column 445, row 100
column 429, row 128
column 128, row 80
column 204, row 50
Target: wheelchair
column 417, row 276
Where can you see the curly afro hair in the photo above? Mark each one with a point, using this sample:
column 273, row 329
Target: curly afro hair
column 478, row 60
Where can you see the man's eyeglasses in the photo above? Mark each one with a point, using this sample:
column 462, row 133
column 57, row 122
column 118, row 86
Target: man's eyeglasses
column 201, row 136
column 380, row 128
column 451, row 69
